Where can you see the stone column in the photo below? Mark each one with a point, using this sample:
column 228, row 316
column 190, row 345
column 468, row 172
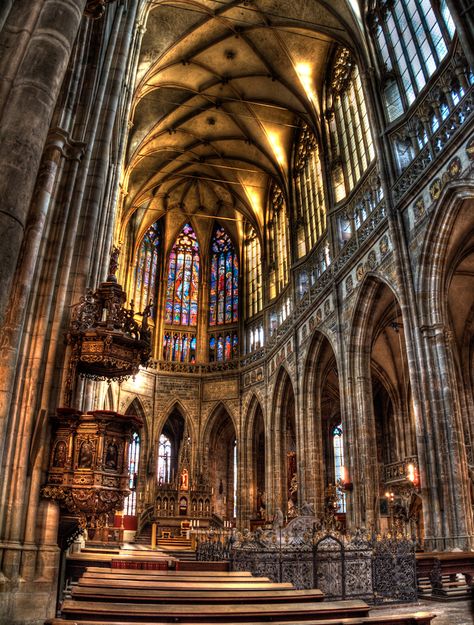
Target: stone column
column 449, row 483
column 25, row 124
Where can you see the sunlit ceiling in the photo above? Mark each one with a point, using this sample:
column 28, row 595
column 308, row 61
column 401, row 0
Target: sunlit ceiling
column 221, row 88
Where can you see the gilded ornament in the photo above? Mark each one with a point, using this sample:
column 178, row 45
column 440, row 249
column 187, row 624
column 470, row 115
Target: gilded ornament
column 470, row 149
column 435, row 189
column 419, row 208
column 360, row 272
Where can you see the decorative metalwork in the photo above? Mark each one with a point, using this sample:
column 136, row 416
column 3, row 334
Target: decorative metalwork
column 88, row 467
column 309, row 554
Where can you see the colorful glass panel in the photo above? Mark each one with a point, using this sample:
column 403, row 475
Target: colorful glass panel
column 224, row 281
column 183, row 280
column 220, row 348
column 146, row 269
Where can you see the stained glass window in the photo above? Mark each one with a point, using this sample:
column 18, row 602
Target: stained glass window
column 224, row 283
column 183, row 280
column 164, row 460
column 146, row 268
column 179, row 347
column 223, row 347
column 130, row 505
column 253, row 261
column 412, row 38
column 338, row 449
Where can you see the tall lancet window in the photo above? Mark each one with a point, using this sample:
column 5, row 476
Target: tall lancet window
column 164, row 460
column 130, row 504
column 413, row 37
column 338, row 450
column 278, row 243
column 146, row 268
column 183, row 279
column 310, row 191
column 349, row 129
column 224, row 284
column 253, row 260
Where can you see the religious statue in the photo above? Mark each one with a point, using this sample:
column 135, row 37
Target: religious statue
column 59, row 456
column 111, row 456
column 113, row 264
column 278, row 519
column 184, row 480
column 85, row 455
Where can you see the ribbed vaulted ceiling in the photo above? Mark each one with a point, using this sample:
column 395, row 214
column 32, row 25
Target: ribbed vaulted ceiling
column 221, row 88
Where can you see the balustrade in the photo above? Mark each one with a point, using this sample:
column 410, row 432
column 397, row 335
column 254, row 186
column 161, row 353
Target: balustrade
column 433, row 123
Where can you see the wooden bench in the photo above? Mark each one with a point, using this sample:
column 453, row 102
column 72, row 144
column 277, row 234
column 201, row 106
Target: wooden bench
column 213, row 613
column 417, row 618
column 173, row 573
column 183, row 585
column 167, row 595
column 188, row 578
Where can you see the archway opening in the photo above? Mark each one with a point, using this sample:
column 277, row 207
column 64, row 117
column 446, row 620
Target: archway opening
column 222, row 467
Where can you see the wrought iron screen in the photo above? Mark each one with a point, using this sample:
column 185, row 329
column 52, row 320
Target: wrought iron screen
column 372, row 567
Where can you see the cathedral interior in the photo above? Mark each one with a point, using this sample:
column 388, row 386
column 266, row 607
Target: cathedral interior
column 237, row 273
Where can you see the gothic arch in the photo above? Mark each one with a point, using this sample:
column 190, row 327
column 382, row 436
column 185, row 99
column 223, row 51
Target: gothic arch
column 446, row 234
column 177, row 405
column 320, row 403
column 217, row 411
column 221, row 446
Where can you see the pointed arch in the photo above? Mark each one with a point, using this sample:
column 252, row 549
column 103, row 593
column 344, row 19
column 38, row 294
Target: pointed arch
column 221, row 451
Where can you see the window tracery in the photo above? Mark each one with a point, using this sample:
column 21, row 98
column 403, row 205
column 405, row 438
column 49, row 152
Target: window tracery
column 253, row 259
column 183, row 279
column 164, row 460
column 146, row 269
column 413, row 37
column 338, row 450
column 130, row 504
column 349, row 130
column 310, row 192
column 278, row 242
column 224, row 282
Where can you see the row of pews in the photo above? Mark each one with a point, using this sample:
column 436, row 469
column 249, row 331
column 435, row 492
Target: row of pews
column 116, row 597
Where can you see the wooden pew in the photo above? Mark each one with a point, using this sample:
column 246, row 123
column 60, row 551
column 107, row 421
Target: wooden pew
column 154, row 595
column 417, row 618
column 172, row 573
column 183, row 585
column 188, row 578
column 211, row 612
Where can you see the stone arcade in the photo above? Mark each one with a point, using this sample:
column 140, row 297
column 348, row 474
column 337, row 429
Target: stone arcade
column 286, row 190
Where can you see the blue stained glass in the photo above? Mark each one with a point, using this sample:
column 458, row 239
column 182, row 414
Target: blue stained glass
column 192, row 350
column 213, row 293
column 212, row 349
column 235, row 346
column 220, row 348
column 224, row 281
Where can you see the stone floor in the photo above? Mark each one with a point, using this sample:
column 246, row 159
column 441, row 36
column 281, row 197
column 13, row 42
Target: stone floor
column 452, row 613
